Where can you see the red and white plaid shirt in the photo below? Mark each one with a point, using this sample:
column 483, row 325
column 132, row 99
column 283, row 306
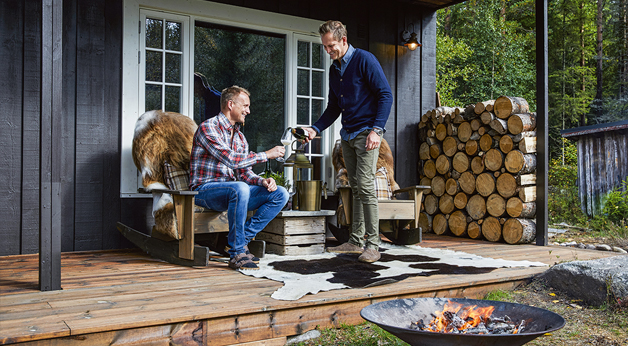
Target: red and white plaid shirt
column 215, row 157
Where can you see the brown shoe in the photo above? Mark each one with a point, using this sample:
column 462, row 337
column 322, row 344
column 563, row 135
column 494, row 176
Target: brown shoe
column 369, row 256
column 346, row 248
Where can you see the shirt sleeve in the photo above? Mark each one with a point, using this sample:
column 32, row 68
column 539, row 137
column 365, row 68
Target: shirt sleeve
column 213, row 143
column 248, row 176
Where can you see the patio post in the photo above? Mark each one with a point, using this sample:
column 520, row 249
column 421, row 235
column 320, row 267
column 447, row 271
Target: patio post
column 541, row 122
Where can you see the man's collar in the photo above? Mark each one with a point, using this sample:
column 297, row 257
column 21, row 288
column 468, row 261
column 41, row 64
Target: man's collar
column 347, row 57
column 224, row 121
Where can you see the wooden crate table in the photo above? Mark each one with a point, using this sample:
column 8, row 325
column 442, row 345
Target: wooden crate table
column 294, row 233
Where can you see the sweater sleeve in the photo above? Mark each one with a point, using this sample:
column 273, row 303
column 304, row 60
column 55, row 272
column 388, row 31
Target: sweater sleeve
column 379, row 86
column 331, row 113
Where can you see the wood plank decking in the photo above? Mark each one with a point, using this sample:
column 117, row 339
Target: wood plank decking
column 124, row 297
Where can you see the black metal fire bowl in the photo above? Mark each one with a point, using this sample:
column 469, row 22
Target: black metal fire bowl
column 395, row 317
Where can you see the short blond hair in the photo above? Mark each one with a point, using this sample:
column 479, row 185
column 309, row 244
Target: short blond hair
column 337, row 29
column 230, row 93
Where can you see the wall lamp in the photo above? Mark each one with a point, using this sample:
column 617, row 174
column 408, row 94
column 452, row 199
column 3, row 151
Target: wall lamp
column 408, row 38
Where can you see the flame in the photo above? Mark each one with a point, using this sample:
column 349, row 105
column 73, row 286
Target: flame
column 471, row 315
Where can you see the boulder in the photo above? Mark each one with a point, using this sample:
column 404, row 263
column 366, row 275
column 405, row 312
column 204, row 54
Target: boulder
column 594, row 281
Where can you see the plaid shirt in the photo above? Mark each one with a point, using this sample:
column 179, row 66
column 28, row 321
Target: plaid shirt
column 213, row 158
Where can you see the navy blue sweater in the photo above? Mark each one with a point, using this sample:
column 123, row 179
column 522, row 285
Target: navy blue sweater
column 361, row 94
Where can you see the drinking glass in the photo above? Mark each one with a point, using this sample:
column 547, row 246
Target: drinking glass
column 286, row 139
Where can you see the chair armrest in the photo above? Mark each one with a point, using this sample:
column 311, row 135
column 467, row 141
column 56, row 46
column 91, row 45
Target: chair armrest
column 411, row 188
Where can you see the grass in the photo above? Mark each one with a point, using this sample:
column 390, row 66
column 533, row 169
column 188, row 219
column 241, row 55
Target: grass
column 606, row 325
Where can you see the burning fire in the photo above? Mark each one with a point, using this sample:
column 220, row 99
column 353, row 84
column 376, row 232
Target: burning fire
column 454, row 318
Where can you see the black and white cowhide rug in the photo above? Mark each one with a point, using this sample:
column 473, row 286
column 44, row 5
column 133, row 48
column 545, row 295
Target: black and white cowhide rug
column 324, row 272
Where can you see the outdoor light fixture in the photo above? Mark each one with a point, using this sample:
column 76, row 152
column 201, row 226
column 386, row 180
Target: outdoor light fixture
column 409, row 39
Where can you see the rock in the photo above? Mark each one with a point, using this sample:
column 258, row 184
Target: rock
column 312, row 334
column 569, row 243
column 603, row 247
column 588, row 280
column 581, row 246
column 618, row 249
column 590, row 247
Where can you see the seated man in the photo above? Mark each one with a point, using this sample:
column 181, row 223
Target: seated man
column 220, row 170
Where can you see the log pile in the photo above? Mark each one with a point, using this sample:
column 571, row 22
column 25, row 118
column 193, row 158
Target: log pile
column 481, row 164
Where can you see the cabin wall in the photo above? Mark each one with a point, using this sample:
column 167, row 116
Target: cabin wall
column 602, row 166
column 91, row 121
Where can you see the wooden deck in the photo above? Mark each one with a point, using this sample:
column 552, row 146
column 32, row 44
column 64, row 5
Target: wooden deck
column 124, row 297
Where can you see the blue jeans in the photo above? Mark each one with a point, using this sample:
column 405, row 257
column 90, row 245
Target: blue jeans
column 238, row 197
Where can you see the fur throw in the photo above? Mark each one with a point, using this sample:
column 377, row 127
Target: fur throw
column 162, row 137
column 385, row 159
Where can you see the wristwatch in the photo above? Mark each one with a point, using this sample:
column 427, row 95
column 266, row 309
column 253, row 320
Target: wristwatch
column 378, row 131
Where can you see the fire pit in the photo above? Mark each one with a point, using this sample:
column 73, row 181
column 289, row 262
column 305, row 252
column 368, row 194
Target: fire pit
column 398, row 317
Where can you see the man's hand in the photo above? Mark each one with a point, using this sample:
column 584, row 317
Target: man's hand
column 372, row 141
column 310, row 132
column 276, row 152
column 269, row 184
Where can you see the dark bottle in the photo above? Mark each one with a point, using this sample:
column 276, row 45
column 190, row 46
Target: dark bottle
column 299, row 133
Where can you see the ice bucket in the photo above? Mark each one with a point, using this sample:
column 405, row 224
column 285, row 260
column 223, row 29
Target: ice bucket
column 309, row 194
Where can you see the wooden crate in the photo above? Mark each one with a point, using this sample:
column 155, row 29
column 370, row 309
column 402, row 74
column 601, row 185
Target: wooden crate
column 294, row 233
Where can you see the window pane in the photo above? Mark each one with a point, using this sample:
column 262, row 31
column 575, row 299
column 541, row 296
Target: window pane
column 173, row 97
column 303, row 55
column 173, row 36
column 317, row 110
column 153, row 33
column 303, row 111
column 254, row 60
column 303, row 82
column 317, row 55
column 153, row 97
column 173, row 68
column 317, row 83
column 153, row 66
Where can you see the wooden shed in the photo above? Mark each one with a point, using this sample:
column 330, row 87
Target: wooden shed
column 602, row 161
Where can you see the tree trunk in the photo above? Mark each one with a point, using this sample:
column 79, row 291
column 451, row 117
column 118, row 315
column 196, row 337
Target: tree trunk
column 518, row 123
column 519, row 231
column 450, row 146
column 481, row 106
column 425, row 181
column 467, row 182
column 431, row 204
column 599, row 102
column 492, row 229
column 446, row 204
column 495, row 205
column 460, row 200
column 518, row 162
column 425, row 222
column 429, row 169
column 499, row 125
column 458, row 223
column 439, row 224
column 528, row 145
column 475, row 124
column 436, row 150
column 438, row 185
column 485, row 184
column 451, row 186
column 506, row 185
column 443, row 164
column 506, row 105
column 464, row 131
column 460, row 162
column 493, row 160
column 527, row 194
column 487, row 142
column 516, row 208
column 487, row 117
column 474, row 230
column 506, row 144
column 526, row 179
column 477, row 165
column 471, row 147
column 441, row 132
column 424, row 151
column 476, row 207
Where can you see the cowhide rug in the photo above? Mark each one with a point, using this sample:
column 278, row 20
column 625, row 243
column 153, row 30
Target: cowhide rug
column 324, row 272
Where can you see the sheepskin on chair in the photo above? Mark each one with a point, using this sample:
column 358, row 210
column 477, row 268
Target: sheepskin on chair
column 161, row 137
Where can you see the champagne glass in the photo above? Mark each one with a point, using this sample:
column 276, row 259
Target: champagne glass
column 286, row 139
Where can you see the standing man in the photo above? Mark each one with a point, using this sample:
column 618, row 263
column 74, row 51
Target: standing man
column 220, row 170
column 359, row 90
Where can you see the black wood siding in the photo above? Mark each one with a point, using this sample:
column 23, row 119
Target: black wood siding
column 90, row 144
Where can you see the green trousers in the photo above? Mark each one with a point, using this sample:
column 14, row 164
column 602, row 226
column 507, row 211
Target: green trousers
column 361, row 167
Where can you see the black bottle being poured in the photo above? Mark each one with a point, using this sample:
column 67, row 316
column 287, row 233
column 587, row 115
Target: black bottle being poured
column 299, row 133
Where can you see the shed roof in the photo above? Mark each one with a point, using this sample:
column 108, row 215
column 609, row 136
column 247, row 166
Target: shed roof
column 591, row 129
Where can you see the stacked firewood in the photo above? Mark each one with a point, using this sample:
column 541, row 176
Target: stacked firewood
column 480, row 162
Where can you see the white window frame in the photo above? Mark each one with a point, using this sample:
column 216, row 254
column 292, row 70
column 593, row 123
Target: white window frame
column 190, row 11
